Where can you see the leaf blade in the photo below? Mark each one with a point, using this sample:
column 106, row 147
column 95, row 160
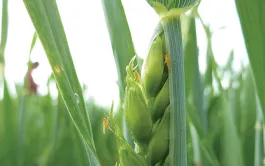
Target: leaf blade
column 251, row 16
column 47, row 22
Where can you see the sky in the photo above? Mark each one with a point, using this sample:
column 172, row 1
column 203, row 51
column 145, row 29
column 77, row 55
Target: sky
column 90, row 46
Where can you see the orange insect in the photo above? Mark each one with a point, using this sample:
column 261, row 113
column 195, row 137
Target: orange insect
column 167, row 60
column 105, row 124
column 136, row 76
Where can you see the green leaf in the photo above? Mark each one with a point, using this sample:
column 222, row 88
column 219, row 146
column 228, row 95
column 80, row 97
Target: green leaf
column 4, row 30
column 120, row 37
column 47, row 22
column 231, row 144
column 248, row 113
column 259, row 151
column 33, row 42
column 195, row 145
column 9, row 112
column 209, row 154
column 251, row 16
column 193, row 82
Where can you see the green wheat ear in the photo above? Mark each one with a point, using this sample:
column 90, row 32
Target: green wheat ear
column 169, row 12
column 166, row 8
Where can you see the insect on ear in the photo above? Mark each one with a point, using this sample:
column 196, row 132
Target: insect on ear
column 105, row 124
column 168, row 61
column 137, row 76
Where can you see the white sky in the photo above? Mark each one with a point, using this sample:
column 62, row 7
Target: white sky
column 90, row 46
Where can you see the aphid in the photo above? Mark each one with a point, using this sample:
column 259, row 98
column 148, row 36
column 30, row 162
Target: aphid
column 57, row 69
column 167, row 60
column 136, row 76
column 105, row 124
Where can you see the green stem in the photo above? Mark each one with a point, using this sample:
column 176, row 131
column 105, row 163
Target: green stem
column 177, row 146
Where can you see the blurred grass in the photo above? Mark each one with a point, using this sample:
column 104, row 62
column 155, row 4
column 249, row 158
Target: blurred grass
column 47, row 135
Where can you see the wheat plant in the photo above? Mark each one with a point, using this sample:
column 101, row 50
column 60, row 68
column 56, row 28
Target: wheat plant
column 170, row 113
